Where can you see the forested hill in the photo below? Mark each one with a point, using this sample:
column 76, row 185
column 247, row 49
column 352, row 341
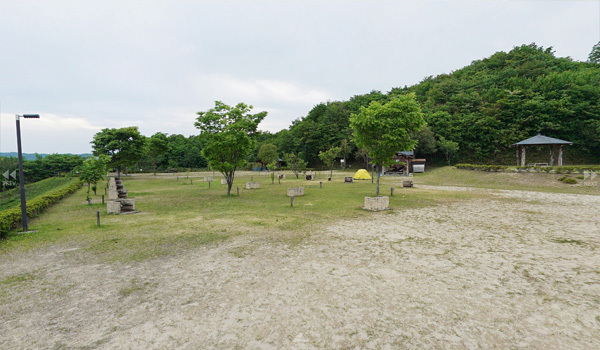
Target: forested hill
column 484, row 107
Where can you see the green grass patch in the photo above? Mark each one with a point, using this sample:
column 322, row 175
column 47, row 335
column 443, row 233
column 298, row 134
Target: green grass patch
column 540, row 182
column 12, row 198
column 567, row 241
column 135, row 286
column 14, row 279
column 174, row 217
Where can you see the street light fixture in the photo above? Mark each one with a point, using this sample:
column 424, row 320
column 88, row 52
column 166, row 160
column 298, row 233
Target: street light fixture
column 21, row 176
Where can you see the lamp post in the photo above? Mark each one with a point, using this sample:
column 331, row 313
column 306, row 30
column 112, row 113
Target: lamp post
column 21, row 176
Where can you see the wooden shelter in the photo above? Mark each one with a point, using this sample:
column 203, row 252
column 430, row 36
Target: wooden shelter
column 541, row 140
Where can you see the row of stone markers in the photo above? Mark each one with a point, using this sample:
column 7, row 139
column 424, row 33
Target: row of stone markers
column 117, row 197
column 370, row 203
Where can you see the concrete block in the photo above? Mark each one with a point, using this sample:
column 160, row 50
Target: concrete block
column 113, row 207
column 252, row 185
column 377, row 203
column 295, row 191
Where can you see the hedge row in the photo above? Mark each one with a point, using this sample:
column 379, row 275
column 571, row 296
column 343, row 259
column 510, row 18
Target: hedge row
column 482, row 167
column 537, row 169
column 560, row 169
column 11, row 218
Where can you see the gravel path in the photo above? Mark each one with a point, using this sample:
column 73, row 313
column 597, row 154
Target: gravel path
column 520, row 270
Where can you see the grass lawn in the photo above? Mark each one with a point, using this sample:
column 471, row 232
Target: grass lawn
column 12, row 198
column 179, row 213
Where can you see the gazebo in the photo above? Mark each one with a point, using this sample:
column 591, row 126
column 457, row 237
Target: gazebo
column 541, row 140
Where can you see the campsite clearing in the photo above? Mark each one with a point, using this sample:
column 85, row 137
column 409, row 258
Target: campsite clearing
column 515, row 265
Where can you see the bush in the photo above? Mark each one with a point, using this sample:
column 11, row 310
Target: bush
column 570, row 181
column 494, row 168
column 11, row 218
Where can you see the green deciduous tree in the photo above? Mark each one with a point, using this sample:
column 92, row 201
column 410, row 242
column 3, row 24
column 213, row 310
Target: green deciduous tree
column 385, row 129
column 156, row 145
column 294, row 162
column 267, row 154
column 449, row 148
column 345, row 150
column 226, row 132
column 594, row 56
column 124, row 146
column 328, row 158
column 93, row 170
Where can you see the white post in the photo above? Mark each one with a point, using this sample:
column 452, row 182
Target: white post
column 560, row 156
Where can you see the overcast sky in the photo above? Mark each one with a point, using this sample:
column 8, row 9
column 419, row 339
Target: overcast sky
column 88, row 65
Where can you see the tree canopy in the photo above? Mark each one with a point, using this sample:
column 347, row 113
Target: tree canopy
column 124, row 146
column 483, row 107
column 227, row 131
column 93, row 170
column 385, row 129
column 267, row 154
column 594, row 56
column 156, row 146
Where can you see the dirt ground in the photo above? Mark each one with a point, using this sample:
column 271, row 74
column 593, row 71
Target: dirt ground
column 518, row 270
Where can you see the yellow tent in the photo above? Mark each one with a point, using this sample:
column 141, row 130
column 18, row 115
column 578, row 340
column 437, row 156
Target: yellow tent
column 362, row 174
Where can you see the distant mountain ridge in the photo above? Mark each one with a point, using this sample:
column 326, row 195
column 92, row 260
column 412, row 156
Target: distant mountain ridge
column 32, row 156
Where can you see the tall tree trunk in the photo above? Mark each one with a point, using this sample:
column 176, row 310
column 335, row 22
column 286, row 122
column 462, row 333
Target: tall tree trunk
column 88, row 193
column 229, row 178
column 378, row 176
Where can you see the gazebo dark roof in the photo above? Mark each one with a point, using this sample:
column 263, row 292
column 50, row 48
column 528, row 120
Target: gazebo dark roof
column 540, row 139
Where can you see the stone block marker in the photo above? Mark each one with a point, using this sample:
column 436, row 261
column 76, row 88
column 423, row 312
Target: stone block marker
column 252, row 185
column 117, row 198
column 223, row 182
column 377, row 203
column 349, row 179
column 295, row 191
column 407, row 183
column 113, row 207
column 113, row 192
column 121, row 206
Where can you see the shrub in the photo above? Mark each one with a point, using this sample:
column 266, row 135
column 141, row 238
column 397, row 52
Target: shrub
column 11, row 218
column 570, row 181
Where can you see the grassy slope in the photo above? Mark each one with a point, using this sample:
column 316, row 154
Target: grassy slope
column 12, row 198
column 176, row 215
column 449, row 176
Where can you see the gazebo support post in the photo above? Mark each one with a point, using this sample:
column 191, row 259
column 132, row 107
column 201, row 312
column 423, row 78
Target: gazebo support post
column 551, row 155
column 518, row 149
column 523, row 154
column 560, row 156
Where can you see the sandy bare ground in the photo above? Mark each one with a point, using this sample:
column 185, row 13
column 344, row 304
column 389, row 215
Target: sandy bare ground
column 520, row 270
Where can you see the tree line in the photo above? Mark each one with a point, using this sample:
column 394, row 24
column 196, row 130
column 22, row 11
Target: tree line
column 475, row 113
column 472, row 115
